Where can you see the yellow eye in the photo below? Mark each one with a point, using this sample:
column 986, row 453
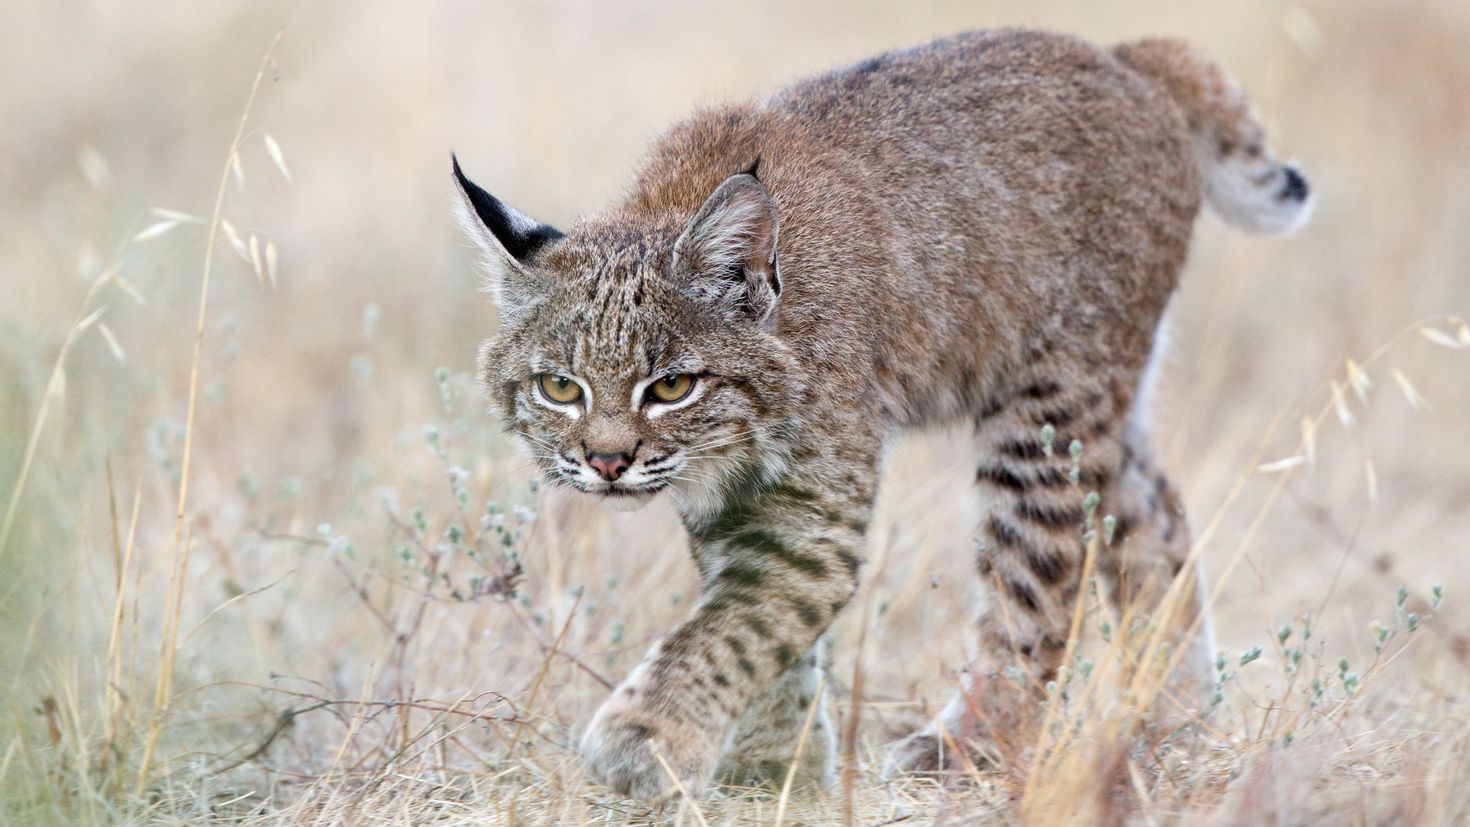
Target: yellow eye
column 558, row 389
column 671, row 388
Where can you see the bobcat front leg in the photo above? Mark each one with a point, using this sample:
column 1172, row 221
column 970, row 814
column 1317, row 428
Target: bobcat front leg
column 777, row 564
column 765, row 739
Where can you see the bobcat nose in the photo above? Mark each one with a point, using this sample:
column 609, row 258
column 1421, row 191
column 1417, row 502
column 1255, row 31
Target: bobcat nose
column 609, row 465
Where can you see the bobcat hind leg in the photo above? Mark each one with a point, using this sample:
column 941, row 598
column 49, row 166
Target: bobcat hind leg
column 1150, row 549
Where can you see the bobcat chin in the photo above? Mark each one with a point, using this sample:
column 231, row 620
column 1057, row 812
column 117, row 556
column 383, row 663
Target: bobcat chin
column 984, row 230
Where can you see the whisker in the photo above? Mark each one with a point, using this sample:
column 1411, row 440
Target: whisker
column 749, row 432
column 543, row 443
column 732, row 440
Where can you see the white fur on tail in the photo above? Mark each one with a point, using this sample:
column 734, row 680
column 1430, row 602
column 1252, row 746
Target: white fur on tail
column 1260, row 197
column 1243, row 181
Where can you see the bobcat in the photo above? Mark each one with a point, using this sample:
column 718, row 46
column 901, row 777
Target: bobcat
column 986, row 230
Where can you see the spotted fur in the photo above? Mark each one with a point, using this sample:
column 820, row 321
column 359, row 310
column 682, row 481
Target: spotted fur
column 984, row 229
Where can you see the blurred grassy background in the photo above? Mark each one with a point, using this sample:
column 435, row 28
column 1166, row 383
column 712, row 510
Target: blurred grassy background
column 316, row 390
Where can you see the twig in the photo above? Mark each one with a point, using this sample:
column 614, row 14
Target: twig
column 283, row 723
column 287, row 718
column 289, row 538
column 678, row 785
column 361, row 592
column 241, row 596
column 547, row 649
column 854, row 714
column 546, row 664
column 806, row 728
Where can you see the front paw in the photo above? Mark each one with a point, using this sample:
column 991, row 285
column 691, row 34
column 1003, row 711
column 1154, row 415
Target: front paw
column 624, row 743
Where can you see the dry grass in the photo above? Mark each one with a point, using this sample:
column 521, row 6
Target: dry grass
column 296, row 575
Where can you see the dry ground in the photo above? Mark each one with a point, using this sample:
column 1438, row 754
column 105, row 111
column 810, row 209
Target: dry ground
column 367, row 614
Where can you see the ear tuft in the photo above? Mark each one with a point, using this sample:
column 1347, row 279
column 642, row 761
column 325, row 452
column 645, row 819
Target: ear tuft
column 726, row 256
column 507, row 239
column 517, row 234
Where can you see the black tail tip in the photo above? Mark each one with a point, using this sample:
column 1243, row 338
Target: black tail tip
column 1295, row 188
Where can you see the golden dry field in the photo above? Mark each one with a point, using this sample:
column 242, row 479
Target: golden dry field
column 267, row 560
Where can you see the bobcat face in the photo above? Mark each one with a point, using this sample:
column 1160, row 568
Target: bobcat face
column 627, row 407
column 633, row 364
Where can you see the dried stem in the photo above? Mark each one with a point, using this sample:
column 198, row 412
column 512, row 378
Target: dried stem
column 180, row 554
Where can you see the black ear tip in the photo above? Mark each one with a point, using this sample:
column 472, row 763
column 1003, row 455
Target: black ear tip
column 754, row 169
column 518, row 235
column 478, row 196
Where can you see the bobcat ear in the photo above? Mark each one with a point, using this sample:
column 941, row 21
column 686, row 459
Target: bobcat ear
column 726, row 255
column 507, row 239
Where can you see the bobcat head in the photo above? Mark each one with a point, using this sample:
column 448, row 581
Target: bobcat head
column 638, row 353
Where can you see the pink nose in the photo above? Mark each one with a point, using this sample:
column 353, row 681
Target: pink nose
column 609, row 466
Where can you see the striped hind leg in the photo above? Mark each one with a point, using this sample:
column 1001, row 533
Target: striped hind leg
column 1149, row 551
column 1033, row 489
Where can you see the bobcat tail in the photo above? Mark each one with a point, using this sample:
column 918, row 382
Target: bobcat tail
column 1244, row 183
